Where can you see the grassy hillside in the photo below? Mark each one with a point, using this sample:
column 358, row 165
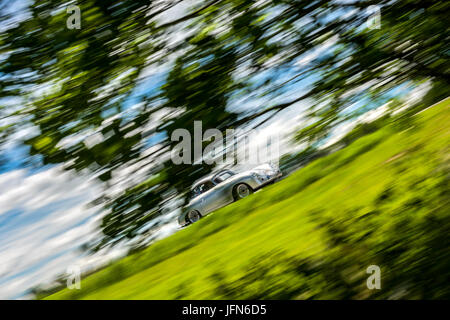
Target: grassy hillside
column 382, row 200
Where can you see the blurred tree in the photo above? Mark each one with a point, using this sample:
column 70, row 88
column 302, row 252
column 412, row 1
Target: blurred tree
column 77, row 84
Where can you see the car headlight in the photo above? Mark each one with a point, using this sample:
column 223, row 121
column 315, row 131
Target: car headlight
column 263, row 175
column 268, row 172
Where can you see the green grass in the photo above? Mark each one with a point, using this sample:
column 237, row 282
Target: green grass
column 382, row 200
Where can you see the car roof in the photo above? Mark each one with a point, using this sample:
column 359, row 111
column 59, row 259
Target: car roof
column 201, row 181
column 208, row 178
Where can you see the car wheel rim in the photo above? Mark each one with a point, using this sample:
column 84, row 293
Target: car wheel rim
column 194, row 216
column 242, row 191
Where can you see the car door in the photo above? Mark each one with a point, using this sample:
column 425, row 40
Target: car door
column 218, row 196
column 211, row 199
column 198, row 200
column 202, row 200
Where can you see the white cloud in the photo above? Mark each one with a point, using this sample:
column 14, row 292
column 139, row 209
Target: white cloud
column 311, row 55
column 43, row 221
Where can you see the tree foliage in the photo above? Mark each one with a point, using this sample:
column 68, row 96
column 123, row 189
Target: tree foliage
column 76, row 85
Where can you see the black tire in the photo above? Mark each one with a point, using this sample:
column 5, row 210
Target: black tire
column 239, row 193
column 190, row 218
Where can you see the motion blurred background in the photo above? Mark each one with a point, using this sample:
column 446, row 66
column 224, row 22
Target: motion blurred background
column 355, row 89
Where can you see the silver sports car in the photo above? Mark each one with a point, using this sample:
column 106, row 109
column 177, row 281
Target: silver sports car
column 224, row 187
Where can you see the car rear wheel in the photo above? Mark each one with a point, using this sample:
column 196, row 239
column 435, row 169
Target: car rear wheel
column 193, row 216
column 241, row 191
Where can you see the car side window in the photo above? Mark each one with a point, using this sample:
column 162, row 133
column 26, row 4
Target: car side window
column 194, row 193
column 218, row 179
column 206, row 186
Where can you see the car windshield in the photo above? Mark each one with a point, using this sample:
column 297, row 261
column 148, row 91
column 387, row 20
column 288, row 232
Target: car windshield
column 222, row 176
